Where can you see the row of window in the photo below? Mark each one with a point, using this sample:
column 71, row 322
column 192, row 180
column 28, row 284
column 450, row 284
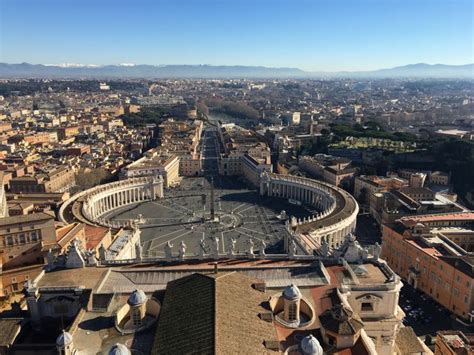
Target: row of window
column 22, row 238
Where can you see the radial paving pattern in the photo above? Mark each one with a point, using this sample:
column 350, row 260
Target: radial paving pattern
column 242, row 215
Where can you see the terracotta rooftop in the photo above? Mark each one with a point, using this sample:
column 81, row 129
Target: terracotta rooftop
column 62, row 231
column 457, row 216
column 94, row 235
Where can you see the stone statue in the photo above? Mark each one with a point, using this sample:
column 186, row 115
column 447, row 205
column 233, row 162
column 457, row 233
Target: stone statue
column 50, row 260
column 202, row 248
column 294, row 221
column 168, row 252
column 324, row 248
column 292, row 250
column 377, row 250
column 138, row 251
column 251, row 245
column 102, row 254
column 182, row 250
column 233, row 249
column 262, row 250
column 364, row 254
column 216, row 247
column 283, row 214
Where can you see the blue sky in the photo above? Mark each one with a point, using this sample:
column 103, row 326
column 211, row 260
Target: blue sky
column 309, row 34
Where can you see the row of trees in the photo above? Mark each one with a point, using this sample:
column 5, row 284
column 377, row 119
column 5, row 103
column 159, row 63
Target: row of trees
column 371, row 129
column 149, row 115
column 232, row 108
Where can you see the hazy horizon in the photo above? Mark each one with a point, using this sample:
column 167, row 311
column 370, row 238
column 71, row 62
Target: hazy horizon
column 93, row 65
column 316, row 35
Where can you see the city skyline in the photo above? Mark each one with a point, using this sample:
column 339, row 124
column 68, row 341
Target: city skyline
column 312, row 36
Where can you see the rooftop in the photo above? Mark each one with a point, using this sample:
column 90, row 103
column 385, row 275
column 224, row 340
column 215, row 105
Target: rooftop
column 204, row 310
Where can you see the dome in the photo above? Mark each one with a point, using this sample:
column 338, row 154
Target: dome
column 310, row 346
column 64, row 339
column 119, row 349
column 291, row 293
column 136, row 298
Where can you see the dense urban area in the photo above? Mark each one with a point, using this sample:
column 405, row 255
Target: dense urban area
column 300, row 216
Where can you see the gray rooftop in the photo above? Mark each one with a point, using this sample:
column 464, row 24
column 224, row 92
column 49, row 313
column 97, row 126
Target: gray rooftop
column 150, row 280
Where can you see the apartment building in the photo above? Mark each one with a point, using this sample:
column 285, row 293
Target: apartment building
column 431, row 253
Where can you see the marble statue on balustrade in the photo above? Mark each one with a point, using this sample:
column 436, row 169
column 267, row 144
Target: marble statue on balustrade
column 324, row 250
column 182, row 250
column 138, row 251
column 294, row 221
column 264, row 183
column 202, row 248
column 50, row 260
column 251, row 246
column 168, row 250
column 262, row 248
column 292, row 249
column 215, row 251
column 233, row 249
column 377, row 249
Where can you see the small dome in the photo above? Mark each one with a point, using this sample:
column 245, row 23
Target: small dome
column 136, row 298
column 64, row 339
column 119, row 349
column 291, row 293
column 310, row 346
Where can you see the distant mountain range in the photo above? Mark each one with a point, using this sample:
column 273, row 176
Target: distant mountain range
column 126, row 70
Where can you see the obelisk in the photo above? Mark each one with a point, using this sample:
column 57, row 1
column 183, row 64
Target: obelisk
column 212, row 199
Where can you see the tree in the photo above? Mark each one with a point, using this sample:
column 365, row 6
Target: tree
column 87, row 179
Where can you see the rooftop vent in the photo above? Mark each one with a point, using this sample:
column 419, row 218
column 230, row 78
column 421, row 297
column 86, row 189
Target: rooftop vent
column 259, row 286
column 272, row 345
column 266, row 316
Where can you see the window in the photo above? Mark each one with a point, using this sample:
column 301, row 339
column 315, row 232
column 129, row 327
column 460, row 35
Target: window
column 10, row 240
column 455, row 292
column 366, row 307
column 292, row 312
column 22, row 238
column 136, row 316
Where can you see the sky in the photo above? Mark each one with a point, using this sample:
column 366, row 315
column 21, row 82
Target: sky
column 314, row 35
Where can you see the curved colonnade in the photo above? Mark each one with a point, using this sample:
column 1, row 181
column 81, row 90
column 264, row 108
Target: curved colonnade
column 93, row 204
column 338, row 209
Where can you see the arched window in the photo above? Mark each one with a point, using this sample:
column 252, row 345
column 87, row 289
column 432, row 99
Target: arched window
column 136, row 316
column 292, row 316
